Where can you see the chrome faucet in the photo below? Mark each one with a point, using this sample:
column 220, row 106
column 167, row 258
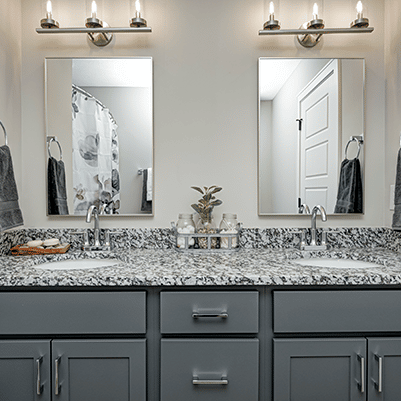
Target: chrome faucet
column 92, row 210
column 317, row 208
column 313, row 246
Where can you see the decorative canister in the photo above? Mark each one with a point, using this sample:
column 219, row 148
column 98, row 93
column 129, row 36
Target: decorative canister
column 228, row 225
column 185, row 225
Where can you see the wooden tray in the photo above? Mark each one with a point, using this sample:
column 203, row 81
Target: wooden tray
column 17, row 250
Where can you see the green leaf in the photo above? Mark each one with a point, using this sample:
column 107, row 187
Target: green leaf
column 197, row 189
column 216, row 190
column 196, row 208
column 217, row 202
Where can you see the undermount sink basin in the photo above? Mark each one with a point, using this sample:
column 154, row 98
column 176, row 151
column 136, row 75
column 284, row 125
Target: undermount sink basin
column 77, row 264
column 336, row 263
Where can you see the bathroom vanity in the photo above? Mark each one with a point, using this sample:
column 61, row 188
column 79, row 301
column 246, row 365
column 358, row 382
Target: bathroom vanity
column 159, row 325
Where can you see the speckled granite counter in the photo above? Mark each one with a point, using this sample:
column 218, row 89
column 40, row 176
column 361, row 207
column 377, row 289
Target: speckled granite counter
column 170, row 268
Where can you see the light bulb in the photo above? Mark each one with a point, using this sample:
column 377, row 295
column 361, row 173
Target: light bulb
column 315, row 11
column 94, row 9
column 359, row 9
column 271, row 10
column 49, row 10
column 138, row 7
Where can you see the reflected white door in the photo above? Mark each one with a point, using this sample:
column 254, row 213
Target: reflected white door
column 320, row 139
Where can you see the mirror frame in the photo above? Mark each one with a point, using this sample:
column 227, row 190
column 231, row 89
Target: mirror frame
column 363, row 133
column 146, row 215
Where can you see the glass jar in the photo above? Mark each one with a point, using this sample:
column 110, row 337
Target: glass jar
column 207, row 226
column 228, row 225
column 185, row 225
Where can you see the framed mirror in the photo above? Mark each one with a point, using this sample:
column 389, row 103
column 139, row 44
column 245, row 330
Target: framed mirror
column 310, row 137
column 99, row 135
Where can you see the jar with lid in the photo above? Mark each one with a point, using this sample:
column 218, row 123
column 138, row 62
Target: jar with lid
column 185, row 225
column 228, row 225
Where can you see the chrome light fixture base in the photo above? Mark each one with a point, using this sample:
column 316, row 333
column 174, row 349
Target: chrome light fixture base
column 138, row 22
column 100, row 39
column 49, row 23
column 311, row 39
column 360, row 23
column 272, row 25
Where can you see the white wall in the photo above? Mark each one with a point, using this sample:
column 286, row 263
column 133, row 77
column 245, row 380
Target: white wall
column 205, row 99
column 393, row 98
column 10, row 81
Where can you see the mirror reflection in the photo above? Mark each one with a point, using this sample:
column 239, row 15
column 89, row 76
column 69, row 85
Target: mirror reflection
column 309, row 109
column 99, row 127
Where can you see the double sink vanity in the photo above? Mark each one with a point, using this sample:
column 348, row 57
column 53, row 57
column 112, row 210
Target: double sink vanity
column 269, row 322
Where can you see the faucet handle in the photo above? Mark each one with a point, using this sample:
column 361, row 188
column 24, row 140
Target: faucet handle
column 325, row 232
column 108, row 234
column 302, row 241
column 85, row 234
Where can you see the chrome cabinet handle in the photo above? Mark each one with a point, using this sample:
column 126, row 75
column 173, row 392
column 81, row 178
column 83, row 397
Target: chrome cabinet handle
column 57, row 385
column 197, row 381
column 222, row 315
column 379, row 383
column 362, row 382
column 39, row 387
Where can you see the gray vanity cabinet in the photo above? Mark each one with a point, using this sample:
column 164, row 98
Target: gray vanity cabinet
column 99, row 370
column 25, row 370
column 209, row 369
column 319, row 369
column 384, row 369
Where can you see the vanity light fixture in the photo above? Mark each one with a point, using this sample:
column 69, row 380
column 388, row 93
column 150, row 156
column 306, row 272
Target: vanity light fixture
column 310, row 33
column 99, row 32
column 271, row 23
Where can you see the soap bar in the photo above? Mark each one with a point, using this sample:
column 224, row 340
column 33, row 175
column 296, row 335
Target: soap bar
column 51, row 242
column 35, row 243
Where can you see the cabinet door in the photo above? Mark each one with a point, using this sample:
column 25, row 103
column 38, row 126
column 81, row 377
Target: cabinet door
column 319, row 369
column 209, row 369
column 99, row 370
column 25, row 370
column 384, row 369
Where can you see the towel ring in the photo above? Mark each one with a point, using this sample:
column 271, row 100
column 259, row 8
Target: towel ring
column 49, row 141
column 5, row 133
column 353, row 139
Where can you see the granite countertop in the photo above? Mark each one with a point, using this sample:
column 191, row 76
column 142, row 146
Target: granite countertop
column 170, row 268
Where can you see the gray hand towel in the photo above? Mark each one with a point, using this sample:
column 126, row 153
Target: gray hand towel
column 146, row 206
column 10, row 213
column 349, row 195
column 56, row 188
column 397, row 196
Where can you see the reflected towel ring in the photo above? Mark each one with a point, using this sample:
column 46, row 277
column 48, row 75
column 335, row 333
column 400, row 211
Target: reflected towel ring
column 50, row 139
column 5, row 133
column 354, row 139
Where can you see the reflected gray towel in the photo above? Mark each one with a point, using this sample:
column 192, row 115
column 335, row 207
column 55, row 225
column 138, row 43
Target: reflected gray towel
column 397, row 196
column 349, row 196
column 56, row 188
column 146, row 206
column 10, row 213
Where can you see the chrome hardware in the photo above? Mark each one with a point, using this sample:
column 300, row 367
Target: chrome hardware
column 57, row 385
column 361, row 384
column 358, row 139
column 302, row 241
column 97, row 246
column 379, row 383
column 314, row 246
column 197, row 315
column 197, row 381
column 325, row 233
column 51, row 139
column 39, row 387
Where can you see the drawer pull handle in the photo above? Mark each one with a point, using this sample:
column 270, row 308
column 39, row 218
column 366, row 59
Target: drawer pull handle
column 57, row 380
column 379, row 383
column 361, row 385
column 223, row 315
column 197, row 381
column 39, row 386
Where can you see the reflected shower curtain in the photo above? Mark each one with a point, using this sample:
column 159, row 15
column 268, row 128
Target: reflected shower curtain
column 95, row 156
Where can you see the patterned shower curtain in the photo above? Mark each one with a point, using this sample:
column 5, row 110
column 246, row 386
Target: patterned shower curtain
column 95, row 156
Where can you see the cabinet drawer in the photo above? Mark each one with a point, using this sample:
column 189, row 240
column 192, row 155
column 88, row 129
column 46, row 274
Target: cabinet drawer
column 72, row 313
column 209, row 312
column 209, row 370
column 337, row 311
